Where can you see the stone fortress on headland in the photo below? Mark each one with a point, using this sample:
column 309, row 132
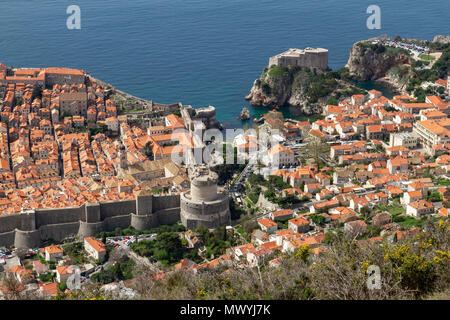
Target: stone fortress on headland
column 203, row 205
column 203, row 118
column 313, row 58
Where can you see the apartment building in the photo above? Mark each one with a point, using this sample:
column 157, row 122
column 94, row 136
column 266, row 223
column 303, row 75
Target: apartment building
column 405, row 139
column 433, row 132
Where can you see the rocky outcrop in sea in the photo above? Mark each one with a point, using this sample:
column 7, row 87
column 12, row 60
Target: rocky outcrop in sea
column 245, row 114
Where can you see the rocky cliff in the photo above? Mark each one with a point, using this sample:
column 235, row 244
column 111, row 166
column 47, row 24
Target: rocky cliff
column 441, row 39
column 373, row 61
column 303, row 90
column 308, row 92
column 271, row 89
column 281, row 87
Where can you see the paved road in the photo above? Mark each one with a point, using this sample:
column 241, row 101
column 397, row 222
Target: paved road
column 243, row 174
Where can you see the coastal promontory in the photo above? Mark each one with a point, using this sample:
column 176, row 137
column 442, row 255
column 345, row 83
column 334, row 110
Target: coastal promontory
column 369, row 61
column 304, row 84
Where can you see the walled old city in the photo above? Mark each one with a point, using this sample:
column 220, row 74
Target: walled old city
column 88, row 172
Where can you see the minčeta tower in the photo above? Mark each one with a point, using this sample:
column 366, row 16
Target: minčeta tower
column 203, row 205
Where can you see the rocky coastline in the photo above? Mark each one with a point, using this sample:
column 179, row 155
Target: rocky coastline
column 369, row 63
column 111, row 90
column 270, row 91
column 365, row 63
column 391, row 84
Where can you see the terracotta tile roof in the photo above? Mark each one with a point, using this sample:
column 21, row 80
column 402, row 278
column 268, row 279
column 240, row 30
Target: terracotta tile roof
column 266, row 222
column 279, row 148
column 50, row 288
column 97, row 245
column 282, row 213
column 420, row 204
column 65, row 71
column 64, row 270
column 299, row 221
column 54, row 249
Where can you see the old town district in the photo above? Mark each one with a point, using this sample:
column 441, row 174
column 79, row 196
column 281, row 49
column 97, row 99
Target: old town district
column 371, row 167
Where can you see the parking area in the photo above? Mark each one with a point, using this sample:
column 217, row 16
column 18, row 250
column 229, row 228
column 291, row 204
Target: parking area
column 9, row 262
column 414, row 49
column 126, row 241
column 4, row 254
column 121, row 241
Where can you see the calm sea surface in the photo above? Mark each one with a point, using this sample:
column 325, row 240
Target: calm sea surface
column 199, row 52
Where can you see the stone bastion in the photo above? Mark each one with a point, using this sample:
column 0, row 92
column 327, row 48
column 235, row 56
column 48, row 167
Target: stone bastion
column 203, row 205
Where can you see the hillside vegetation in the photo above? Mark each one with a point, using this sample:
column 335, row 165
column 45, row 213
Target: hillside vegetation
column 303, row 88
column 417, row 267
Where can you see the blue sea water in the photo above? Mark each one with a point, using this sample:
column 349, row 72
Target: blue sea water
column 199, row 52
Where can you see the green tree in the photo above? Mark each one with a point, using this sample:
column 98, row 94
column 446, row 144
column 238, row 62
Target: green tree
column 303, row 253
column 37, row 92
column 148, row 151
column 170, row 242
column 249, row 226
column 302, row 185
column 317, row 219
column 235, row 210
column 62, row 286
column 365, row 213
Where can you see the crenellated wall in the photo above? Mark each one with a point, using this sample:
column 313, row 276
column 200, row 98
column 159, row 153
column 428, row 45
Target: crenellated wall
column 30, row 228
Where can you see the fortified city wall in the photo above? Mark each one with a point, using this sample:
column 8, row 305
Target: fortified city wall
column 206, row 115
column 31, row 228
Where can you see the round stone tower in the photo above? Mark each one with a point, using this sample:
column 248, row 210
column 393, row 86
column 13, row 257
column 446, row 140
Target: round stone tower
column 204, row 187
column 202, row 205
